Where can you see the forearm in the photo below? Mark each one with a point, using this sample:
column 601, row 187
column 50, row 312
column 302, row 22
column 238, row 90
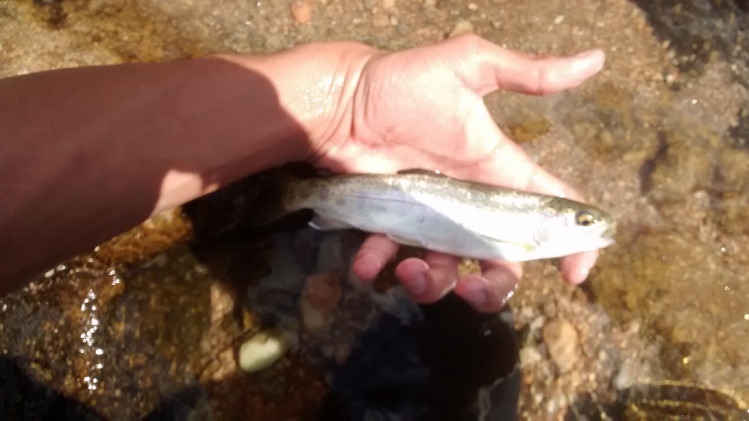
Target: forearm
column 88, row 153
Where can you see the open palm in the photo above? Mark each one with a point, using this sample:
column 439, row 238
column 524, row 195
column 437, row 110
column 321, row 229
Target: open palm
column 423, row 108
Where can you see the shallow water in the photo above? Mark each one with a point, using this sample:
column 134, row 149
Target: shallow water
column 659, row 138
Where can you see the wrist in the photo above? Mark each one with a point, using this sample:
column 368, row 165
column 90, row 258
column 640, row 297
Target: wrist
column 314, row 85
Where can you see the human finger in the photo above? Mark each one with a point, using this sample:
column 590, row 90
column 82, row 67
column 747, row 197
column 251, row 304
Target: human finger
column 489, row 291
column 373, row 254
column 575, row 268
column 428, row 280
column 488, row 67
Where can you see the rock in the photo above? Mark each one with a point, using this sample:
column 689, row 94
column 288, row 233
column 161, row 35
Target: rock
column 224, row 366
column 320, row 297
column 461, row 28
column 301, row 10
column 314, row 320
column 388, row 4
column 323, row 291
column 265, row 348
column 529, row 356
column 561, row 340
column 330, row 255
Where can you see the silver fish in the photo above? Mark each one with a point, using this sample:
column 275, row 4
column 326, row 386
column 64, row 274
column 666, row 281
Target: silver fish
column 435, row 212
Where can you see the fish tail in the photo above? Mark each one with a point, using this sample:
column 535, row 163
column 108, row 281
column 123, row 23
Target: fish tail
column 252, row 207
column 268, row 206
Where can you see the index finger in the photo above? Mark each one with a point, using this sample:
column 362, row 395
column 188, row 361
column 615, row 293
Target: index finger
column 486, row 67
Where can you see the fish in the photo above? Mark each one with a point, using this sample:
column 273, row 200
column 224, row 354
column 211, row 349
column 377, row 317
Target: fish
column 436, row 212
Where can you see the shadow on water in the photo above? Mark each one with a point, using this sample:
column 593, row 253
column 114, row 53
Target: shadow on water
column 464, row 368
column 697, row 30
column 456, row 365
column 453, row 364
column 23, row 398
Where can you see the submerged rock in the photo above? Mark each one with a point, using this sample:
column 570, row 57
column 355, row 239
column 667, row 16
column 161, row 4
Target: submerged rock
column 265, row 348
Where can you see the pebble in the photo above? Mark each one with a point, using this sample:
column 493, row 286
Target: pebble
column 301, row 10
column 529, row 356
column 561, row 340
column 323, row 291
column 388, row 4
column 265, row 348
column 320, row 297
column 342, row 353
column 225, row 366
column 461, row 28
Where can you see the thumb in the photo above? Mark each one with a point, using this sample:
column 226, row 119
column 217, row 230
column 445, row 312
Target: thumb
column 492, row 67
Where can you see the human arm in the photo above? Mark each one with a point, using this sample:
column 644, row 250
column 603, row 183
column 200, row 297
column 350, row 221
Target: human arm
column 87, row 153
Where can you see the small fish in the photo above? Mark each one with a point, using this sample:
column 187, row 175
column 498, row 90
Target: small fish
column 436, row 212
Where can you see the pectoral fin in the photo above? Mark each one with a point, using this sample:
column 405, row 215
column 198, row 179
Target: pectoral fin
column 518, row 247
column 406, row 241
column 512, row 251
column 325, row 223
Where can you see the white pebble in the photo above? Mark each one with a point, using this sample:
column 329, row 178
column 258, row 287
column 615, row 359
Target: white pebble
column 265, row 348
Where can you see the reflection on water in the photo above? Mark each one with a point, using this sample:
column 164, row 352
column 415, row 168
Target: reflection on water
column 659, row 138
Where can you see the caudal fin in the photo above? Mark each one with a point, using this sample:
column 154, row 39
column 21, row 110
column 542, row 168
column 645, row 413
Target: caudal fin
column 244, row 209
column 267, row 206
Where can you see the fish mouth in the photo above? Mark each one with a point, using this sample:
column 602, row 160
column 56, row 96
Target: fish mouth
column 609, row 232
column 594, row 244
column 562, row 249
column 604, row 242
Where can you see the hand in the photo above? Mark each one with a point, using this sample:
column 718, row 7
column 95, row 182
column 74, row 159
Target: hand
column 423, row 108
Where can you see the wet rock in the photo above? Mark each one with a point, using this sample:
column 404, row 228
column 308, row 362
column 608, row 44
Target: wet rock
column 685, row 166
column 301, row 10
column 561, row 340
column 319, row 299
column 529, row 356
column 732, row 169
column 222, row 366
column 461, row 28
column 265, row 348
column 731, row 188
column 154, row 236
column 323, row 291
column 731, row 214
column 330, row 256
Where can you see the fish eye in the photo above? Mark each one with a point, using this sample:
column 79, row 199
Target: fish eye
column 585, row 218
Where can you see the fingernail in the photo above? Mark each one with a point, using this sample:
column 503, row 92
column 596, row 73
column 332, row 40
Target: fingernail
column 584, row 273
column 586, row 54
column 417, row 284
column 474, row 292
